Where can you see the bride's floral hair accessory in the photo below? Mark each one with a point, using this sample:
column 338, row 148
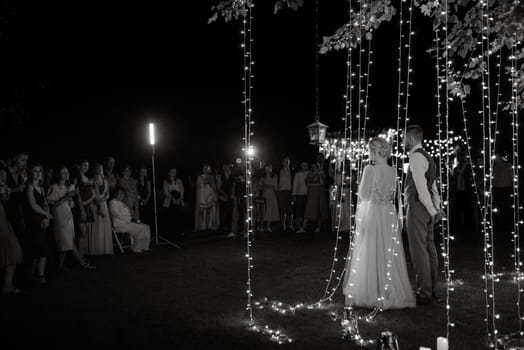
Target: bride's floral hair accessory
column 380, row 146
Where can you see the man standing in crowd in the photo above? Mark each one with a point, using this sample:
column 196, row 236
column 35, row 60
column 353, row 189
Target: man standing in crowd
column 284, row 195
column 300, row 194
column 225, row 183
column 238, row 223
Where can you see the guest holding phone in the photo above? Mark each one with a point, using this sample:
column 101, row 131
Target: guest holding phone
column 60, row 197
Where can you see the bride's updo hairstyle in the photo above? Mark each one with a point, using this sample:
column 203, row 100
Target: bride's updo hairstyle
column 380, row 146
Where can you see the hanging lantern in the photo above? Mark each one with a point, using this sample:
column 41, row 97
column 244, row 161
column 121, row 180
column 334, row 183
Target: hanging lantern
column 317, row 133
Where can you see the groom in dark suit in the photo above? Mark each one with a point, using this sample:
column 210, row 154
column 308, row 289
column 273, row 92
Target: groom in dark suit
column 423, row 211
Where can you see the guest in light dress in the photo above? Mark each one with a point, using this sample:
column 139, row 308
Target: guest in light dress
column 60, row 197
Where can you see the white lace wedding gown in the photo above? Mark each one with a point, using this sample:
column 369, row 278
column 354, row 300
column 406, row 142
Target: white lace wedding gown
column 377, row 273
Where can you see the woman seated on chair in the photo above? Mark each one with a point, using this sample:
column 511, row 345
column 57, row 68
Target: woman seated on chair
column 122, row 222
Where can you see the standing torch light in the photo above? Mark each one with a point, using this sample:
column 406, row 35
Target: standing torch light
column 152, row 139
column 152, row 142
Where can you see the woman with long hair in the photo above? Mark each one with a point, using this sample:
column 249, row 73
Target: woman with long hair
column 88, row 207
column 101, row 242
column 37, row 219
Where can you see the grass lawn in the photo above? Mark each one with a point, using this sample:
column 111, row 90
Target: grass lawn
column 194, row 298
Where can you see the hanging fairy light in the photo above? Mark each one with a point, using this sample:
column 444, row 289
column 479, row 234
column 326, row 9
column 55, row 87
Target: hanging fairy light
column 348, row 123
column 368, row 86
column 399, row 73
column 409, row 69
column 335, row 148
column 445, row 225
column 515, row 172
column 247, row 103
column 247, row 49
column 487, row 217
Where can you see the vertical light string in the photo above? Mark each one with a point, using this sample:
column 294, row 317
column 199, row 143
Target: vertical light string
column 399, row 87
column 490, row 141
column 246, row 78
column 317, row 115
column 409, row 69
column 408, row 84
column 487, row 295
column 439, row 103
column 365, row 77
column 487, row 217
column 348, row 103
column 515, row 172
column 368, row 85
column 445, row 191
column 359, row 160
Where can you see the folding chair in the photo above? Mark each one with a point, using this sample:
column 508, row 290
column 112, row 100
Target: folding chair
column 117, row 239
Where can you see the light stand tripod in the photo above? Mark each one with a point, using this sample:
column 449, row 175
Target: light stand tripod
column 157, row 236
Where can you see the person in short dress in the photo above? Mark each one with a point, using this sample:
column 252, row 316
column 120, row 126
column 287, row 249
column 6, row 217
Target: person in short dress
column 269, row 192
column 37, row 219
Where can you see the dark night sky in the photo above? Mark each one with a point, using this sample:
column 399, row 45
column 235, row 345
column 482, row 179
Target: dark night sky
column 94, row 74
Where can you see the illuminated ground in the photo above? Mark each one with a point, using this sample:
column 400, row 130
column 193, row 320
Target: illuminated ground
column 194, row 298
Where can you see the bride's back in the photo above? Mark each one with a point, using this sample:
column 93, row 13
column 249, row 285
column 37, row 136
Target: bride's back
column 378, row 183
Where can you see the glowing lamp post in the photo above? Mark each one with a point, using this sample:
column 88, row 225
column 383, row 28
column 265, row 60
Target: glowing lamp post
column 317, row 133
column 152, row 142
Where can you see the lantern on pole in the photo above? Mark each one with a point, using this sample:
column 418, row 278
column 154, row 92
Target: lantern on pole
column 317, row 133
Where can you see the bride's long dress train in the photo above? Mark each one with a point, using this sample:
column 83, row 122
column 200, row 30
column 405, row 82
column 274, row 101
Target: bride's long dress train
column 377, row 274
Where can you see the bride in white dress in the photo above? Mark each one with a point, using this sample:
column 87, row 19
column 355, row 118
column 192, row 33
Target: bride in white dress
column 377, row 273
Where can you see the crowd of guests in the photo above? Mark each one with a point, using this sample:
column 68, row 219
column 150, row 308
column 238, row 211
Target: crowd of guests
column 81, row 211
column 48, row 212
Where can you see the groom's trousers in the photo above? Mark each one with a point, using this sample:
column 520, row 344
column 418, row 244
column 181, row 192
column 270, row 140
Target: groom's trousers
column 422, row 248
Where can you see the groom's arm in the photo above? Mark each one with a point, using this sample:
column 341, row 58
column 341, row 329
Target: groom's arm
column 435, row 196
column 419, row 165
